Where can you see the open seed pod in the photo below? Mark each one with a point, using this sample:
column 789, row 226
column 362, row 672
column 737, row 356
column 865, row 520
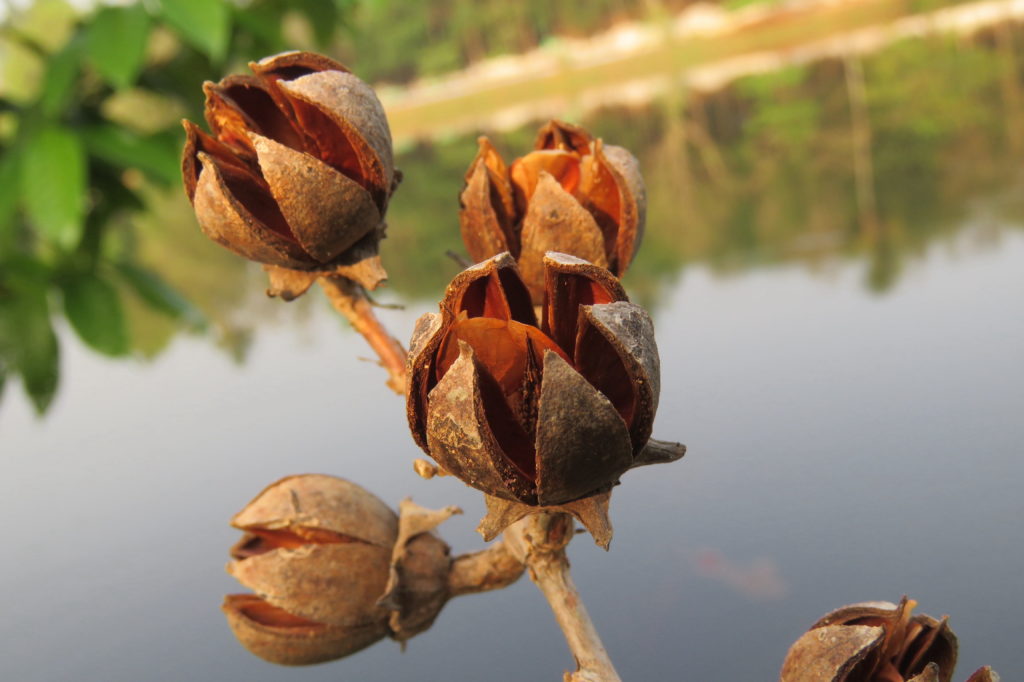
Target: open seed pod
column 298, row 170
column 333, row 570
column 873, row 642
column 538, row 415
column 280, row 637
column 572, row 194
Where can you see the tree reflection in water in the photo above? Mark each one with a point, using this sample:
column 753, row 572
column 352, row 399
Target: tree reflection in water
column 872, row 158
column 774, row 169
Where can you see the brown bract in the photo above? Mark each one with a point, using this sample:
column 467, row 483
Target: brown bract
column 298, row 170
column 333, row 569
column 572, row 194
column 537, row 414
column 875, row 642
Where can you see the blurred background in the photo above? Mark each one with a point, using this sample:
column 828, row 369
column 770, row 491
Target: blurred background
column 834, row 258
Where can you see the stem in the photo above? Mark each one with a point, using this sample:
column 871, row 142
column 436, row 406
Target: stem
column 493, row 568
column 540, row 540
column 349, row 299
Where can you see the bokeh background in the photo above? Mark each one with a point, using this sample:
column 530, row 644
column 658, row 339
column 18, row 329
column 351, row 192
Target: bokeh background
column 834, row 258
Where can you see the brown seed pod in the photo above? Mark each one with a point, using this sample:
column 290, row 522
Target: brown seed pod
column 536, row 414
column 298, row 171
column 572, row 194
column 333, row 570
column 873, row 642
column 277, row 636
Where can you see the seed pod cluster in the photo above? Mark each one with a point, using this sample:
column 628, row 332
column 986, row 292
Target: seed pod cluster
column 534, row 413
column 333, row 569
column 298, row 171
column 572, row 194
column 877, row 642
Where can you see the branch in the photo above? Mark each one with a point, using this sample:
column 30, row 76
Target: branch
column 540, row 541
column 493, row 568
column 349, row 299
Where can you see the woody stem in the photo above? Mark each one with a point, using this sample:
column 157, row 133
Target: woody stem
column 540, row 540
column 493, row 568
column 350, row 299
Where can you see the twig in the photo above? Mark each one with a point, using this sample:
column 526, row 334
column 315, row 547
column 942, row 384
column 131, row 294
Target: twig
column 349, row 299
column 383, row 306
column 458, row 258
column 540, row 541
column 493, row 568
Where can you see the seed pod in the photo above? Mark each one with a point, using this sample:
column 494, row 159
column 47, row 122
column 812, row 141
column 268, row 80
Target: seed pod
column 536, row 415
column 572, row 194
column 873, row 642
column 277, row 636
column 333, row 570
column 984, row 674
column 298, row 172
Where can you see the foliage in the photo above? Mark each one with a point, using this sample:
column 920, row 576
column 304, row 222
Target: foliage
column 430, row 38
column 89, row 141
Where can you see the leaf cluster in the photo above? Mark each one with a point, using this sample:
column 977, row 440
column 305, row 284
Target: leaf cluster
column 90, row 141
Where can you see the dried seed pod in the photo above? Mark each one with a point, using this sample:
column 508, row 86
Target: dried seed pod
column 572, row 194
column 536, row 414
column 280, row 637
column 984, row 674
column 333, row 570
column 298, row 172
column 873, row 642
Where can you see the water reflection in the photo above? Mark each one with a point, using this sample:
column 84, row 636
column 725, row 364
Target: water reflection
column 758, row 579
column 869, row 159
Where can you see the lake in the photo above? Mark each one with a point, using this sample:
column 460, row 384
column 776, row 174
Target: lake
column 842, row 352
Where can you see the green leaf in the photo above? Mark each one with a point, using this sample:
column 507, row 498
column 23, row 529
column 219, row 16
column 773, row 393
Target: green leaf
column 28, row 345
column 155, row 155
column 59, row 80
column 94, row 310
column 204, row 24
column 115, row 43
column 159, row 295
column 24, row 273
column 53, row 181
column 8, row 187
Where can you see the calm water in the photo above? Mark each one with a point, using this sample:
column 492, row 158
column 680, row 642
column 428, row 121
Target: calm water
column 852, row 403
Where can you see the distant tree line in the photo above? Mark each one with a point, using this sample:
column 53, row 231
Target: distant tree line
column 428, row 38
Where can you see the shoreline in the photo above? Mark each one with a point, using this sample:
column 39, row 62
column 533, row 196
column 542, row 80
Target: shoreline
column 703, row 48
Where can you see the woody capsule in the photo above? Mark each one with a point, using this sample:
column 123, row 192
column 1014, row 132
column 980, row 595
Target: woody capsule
column 332, row 570
column 538, row 414
column 877, row 642
column 297, row 172
column 572, row 194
